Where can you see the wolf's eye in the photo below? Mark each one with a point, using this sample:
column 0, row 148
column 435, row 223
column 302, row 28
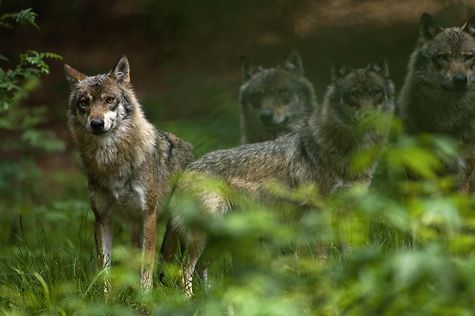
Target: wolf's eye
column 110, row 100
column 468, row 57
column 83, row 103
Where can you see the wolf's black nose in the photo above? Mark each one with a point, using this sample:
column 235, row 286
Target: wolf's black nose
column 97, row 125
column 266, row 116
column 460, row 80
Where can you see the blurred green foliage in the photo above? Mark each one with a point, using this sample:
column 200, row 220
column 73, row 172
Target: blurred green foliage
column 402, row 247
column 405, row 246
column 23, row 138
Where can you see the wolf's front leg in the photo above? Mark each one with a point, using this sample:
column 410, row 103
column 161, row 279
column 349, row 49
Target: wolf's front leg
column 103, row 236
column 149, row 243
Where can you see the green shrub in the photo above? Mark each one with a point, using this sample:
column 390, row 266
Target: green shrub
column 23, row 138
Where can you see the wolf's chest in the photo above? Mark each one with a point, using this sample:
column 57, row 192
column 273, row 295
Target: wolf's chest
column 127, row 197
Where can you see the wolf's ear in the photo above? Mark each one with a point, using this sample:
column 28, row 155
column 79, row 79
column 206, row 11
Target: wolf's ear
column 294, row 62
column 73, row 75
column 121, row 70
column 247, row 70
column 338, row 69
column 469, row 27
column 380, row 65
column 428, row 27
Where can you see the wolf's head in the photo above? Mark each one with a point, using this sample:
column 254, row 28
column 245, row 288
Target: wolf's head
column 357, row 93
column 100, row 103
column 274, row 97
column 445, row 56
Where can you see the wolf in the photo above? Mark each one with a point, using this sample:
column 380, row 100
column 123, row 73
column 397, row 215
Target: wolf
column 438, row 94
column 274, row 101
column 319, row 154
column 128, row 162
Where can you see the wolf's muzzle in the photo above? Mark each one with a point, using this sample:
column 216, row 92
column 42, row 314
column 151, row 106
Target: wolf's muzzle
column 460, row 81
column 97, row 125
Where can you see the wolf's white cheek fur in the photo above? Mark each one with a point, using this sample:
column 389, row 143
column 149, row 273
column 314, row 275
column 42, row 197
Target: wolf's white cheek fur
column 113, row 118
column 109, row 118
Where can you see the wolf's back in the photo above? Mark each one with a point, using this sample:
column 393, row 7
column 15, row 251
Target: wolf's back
column 179, row 153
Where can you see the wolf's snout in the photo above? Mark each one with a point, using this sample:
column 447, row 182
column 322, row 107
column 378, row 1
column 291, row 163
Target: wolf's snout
column 272, row 119
column 266, row 117
column 460, row 81
column 97, row 125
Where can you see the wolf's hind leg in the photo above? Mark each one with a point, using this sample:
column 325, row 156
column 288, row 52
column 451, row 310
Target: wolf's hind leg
column 194, row 249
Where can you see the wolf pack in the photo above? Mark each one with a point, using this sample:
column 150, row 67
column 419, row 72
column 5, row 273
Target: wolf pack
column 134, row 170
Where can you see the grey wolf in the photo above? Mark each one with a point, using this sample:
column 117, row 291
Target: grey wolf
column 128, row 162
column 438, row 94
column 319, row 154
column 274, row 101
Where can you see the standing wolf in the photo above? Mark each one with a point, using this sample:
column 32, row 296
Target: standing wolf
column 438, row 95
column 274, row 101
column 320, row 153
column 127, row 161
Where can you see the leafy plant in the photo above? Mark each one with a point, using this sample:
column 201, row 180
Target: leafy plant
column 20, row 123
